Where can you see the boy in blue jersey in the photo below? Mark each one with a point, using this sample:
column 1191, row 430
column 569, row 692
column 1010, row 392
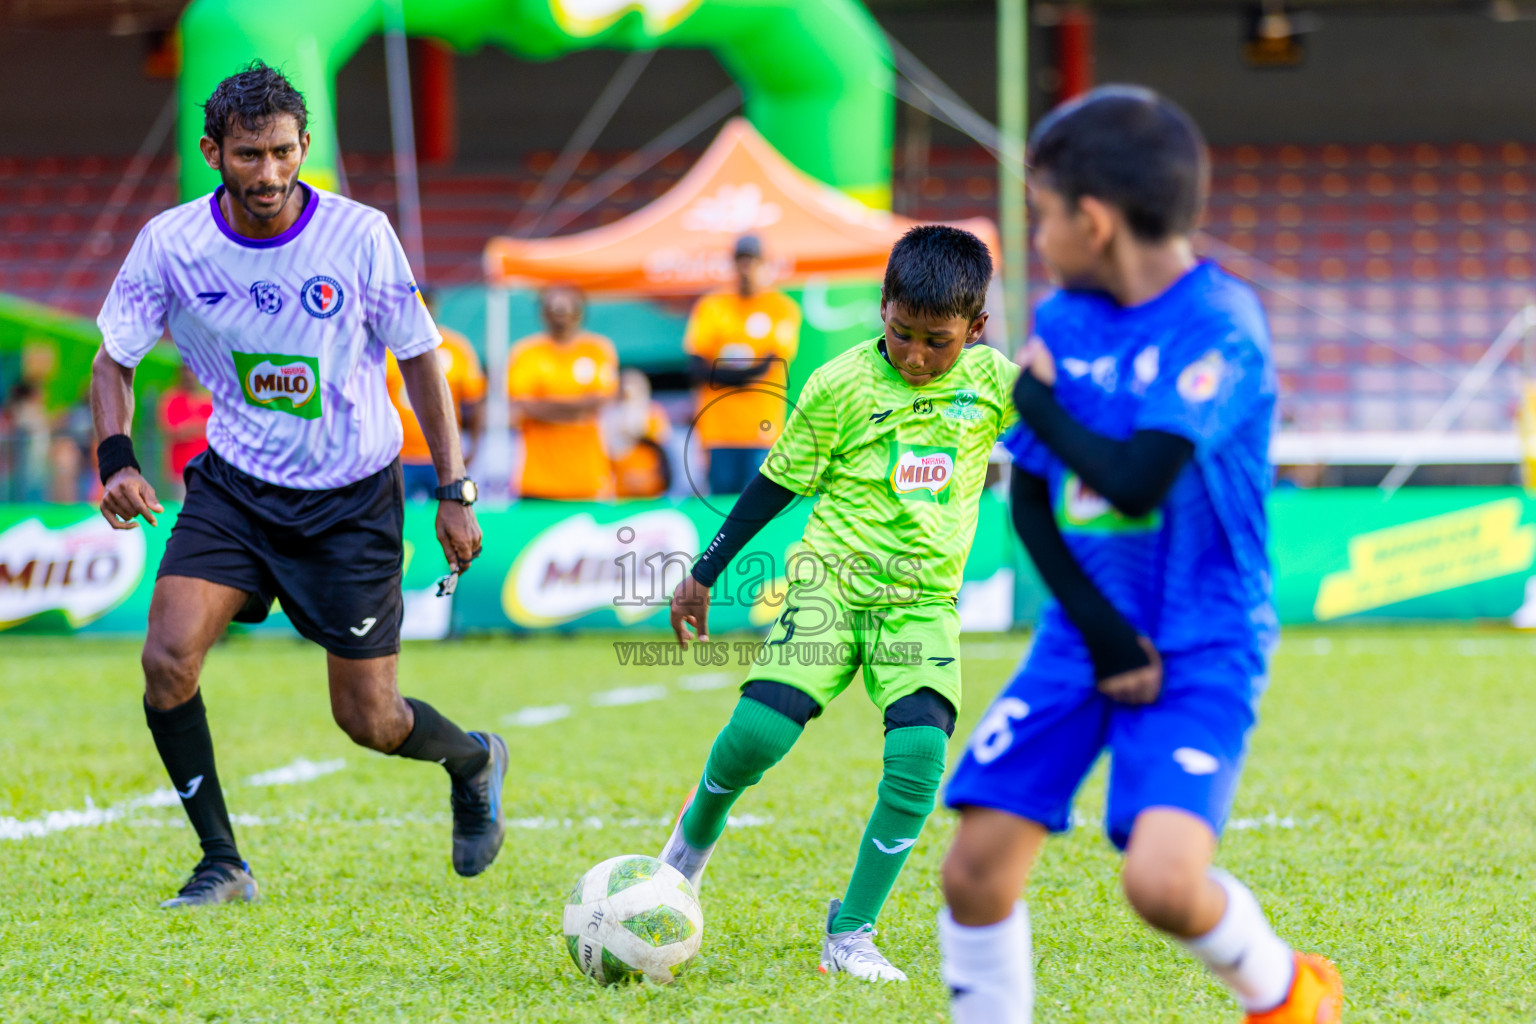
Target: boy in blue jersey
column 1140, row 470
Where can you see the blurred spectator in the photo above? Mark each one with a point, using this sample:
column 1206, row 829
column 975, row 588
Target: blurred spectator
column 739, row 344
column 73, row 455
column 24, row 429
column 466, row 382
column 185, row 409
column 637, row 428
column 558, row 381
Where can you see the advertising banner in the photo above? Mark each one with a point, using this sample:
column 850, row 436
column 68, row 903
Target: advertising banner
column 1340, row 556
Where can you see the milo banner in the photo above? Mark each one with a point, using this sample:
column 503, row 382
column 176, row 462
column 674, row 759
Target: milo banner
column 546, row 566
column 1427, row 553
column 1340, row 556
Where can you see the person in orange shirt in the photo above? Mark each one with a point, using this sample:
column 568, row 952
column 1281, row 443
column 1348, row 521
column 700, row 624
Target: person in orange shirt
column 739, row 344
column 636, row 428
column 184, row 412
column 558, row 381
column 466, row 382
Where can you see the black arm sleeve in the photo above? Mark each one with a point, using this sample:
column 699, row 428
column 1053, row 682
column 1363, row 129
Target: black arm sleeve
column 1134, row 476
column 731, row 374
column 1111, row 640
column 760, row 501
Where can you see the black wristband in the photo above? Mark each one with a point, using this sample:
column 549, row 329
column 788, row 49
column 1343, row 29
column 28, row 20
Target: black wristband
column 115, row 454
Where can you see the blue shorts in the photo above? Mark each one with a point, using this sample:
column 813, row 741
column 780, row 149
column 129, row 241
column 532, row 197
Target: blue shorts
column 731, row 469
column 420, row 480
column 1043, row 733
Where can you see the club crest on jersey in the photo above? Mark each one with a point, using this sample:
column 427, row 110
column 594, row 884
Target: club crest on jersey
column 1201, row 379
column 921, row 472
column 289, row 384
column 962, row 406
column 267, row 296
column 322, row 296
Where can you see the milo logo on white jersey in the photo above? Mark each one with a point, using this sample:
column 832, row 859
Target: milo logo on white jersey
column 1084, row 510
column 288, row 384
column 921, row 472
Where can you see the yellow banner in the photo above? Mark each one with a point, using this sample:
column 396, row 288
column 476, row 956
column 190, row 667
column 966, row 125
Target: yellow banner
column 1528, row 435
column 1428, row 556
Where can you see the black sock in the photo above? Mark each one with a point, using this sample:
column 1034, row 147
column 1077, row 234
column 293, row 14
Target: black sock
column 186, row 748
column 434, row 738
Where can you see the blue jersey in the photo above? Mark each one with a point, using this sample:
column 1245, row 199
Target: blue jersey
column 1195, row 362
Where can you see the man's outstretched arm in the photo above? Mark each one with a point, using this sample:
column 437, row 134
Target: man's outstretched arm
column 127, row 494
column 728, row 373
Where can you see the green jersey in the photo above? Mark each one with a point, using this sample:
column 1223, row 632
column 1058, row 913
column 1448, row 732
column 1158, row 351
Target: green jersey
column 898, row 470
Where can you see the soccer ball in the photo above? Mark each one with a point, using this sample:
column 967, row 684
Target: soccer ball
column 632, row 917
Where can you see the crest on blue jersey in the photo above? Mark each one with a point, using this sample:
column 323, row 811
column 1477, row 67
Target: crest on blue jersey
column 267, row 296
column 322, row 296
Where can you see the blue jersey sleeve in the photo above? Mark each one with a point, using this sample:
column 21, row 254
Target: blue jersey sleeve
column 1027, row 451
column 1210, row 382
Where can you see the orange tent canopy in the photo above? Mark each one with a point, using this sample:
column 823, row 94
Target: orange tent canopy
column 681, row 243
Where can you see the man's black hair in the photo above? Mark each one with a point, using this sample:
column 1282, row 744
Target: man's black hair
column 939, row 271
column 251, row 97
column 1130, row 148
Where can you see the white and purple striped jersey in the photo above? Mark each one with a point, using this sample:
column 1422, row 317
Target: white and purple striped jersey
column 288, row 333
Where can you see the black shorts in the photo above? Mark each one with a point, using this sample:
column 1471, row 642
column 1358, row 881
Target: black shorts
column 332, row 557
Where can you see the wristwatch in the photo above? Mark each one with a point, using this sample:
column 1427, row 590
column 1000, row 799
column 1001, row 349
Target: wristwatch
column 462, row 491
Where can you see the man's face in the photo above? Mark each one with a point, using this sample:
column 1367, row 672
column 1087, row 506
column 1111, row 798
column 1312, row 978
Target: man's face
column 749, row 271
column 562, row 310
column 260, row 169
column 923, row 347
column 1064, row 236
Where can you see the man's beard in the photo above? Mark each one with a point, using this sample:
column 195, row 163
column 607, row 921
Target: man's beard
column 233, row 188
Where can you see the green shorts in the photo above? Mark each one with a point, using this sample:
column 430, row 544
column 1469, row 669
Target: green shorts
column 818, row 643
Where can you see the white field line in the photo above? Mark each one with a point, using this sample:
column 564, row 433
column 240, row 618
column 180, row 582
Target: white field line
column 530, row 717
column 533, row 717
column 301, row 770
column 1264, row 821
column 625, row 695
column 91, row 816
column 708, row 681
column 536, row 824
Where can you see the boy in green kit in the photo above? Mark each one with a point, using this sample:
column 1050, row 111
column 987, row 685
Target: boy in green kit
column 893, row 437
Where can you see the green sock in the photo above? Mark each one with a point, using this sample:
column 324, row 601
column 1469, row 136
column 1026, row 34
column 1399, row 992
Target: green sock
column 914, row 765
column 754, row 740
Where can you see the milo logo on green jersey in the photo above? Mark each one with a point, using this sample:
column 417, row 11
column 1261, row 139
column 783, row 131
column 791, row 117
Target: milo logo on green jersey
column 1083, row 510
column 921, row 472
column 288, row 384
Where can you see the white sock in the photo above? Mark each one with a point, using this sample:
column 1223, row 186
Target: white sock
column 988, row 969
column 1244, row 951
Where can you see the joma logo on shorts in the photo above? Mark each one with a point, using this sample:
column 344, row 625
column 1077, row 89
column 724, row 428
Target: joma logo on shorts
column 288, row 384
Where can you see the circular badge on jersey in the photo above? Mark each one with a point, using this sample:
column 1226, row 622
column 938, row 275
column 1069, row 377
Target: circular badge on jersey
column 322, row 296
column 584, row 370
column 267, row 297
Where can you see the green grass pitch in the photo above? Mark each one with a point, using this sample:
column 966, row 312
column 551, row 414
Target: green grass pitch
column 1388, row 820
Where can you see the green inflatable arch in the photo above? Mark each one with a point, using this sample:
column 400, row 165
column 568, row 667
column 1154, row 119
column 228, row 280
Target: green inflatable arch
column 816, row 74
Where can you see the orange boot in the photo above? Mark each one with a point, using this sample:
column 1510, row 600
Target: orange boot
column 1316, row 996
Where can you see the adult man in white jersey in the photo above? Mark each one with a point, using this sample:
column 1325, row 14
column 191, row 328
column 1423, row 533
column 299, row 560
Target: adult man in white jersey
column 283, row 299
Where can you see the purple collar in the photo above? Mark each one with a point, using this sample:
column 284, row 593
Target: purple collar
column 264, row 243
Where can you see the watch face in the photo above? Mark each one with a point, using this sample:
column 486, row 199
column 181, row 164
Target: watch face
column 470, row 493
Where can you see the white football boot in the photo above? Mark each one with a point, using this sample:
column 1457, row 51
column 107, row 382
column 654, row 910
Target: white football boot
column 854, row 952
column 689, row 860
